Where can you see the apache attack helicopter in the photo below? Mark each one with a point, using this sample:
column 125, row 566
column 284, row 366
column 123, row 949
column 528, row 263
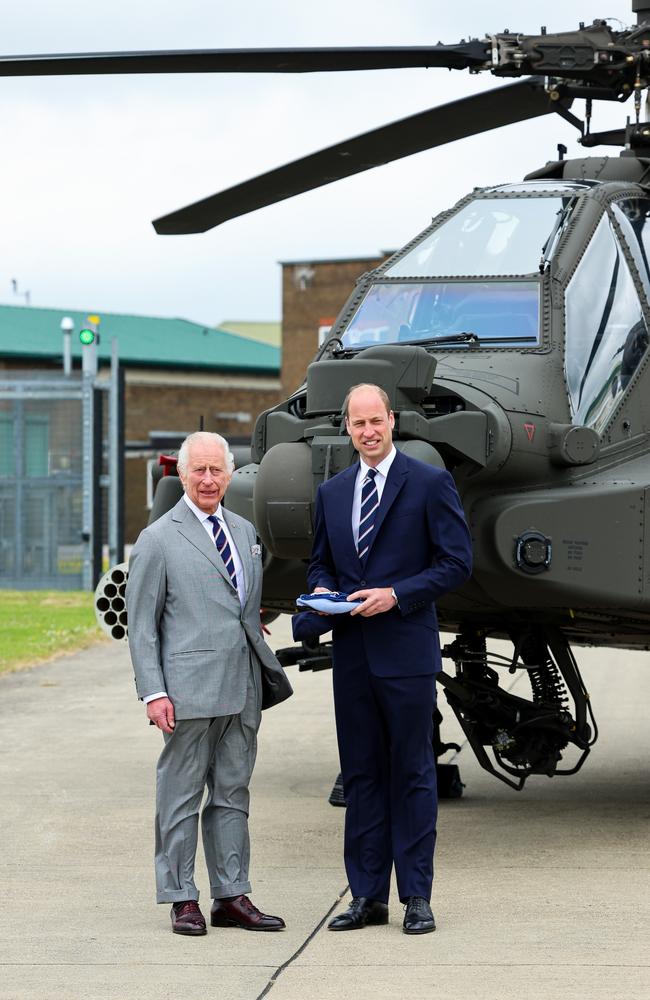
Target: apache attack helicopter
column 512, row 337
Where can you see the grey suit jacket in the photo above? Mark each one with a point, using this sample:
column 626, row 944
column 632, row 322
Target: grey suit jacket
column 188, row 633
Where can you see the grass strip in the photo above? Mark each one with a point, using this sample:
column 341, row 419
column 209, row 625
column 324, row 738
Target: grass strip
column 37, row 625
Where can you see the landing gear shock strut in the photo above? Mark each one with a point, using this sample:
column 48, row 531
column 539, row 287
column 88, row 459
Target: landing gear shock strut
column 525, row 736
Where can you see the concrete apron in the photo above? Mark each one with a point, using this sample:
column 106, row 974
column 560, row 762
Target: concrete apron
column 542, row 893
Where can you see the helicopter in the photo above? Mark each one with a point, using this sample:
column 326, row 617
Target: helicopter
column 511, row 336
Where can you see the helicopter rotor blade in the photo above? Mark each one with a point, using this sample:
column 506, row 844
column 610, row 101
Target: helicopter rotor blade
column 469, row 116
column 466, row 55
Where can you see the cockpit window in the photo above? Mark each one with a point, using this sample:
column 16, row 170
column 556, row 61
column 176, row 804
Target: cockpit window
column 489, row 236
column 606, row 335
column 495, row 313
column 633, row 216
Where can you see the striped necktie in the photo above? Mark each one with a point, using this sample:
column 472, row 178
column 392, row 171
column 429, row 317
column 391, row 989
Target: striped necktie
column 369, row 505
column 223, row 548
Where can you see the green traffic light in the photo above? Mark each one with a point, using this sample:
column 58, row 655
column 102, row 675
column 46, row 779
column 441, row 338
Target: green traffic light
column 86, row 336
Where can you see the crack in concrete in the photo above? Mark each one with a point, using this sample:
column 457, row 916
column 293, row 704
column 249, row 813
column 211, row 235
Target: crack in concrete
column 285, row 965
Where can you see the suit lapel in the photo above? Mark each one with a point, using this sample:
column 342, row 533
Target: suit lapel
column 394, row 482
column 344, row 509
column 243, row 549
column 189, row 526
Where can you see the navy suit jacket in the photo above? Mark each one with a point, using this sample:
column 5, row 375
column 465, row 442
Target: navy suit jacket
column 420, row 546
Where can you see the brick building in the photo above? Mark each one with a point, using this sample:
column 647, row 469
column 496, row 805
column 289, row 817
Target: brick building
column 313, row 293
column 176, row 373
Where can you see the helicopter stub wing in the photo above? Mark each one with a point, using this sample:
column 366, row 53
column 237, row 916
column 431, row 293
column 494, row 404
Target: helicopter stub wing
column 435, row 127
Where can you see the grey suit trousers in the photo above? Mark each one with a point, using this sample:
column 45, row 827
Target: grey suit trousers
column 217, row 754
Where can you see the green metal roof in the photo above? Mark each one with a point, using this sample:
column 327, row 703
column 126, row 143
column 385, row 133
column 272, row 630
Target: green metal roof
column 151, row 341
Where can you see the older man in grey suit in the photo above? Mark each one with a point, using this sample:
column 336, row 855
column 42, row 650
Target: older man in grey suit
column 204, row 671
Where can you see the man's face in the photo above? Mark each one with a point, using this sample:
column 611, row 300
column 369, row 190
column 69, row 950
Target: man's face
column 370, row 426
column 206, row 478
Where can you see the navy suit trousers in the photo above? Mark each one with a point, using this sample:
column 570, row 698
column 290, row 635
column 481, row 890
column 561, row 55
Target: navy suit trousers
column 385, row 731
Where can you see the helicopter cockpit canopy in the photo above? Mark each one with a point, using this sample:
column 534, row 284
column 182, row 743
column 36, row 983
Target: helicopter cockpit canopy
column 606, row 333
column 493, row 235
column 491, row 250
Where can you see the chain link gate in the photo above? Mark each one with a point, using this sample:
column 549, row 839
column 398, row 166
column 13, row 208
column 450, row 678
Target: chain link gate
column 57, row 450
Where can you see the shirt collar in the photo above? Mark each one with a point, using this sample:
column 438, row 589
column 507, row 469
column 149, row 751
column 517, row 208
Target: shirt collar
column 383, row 466
column 202, row 516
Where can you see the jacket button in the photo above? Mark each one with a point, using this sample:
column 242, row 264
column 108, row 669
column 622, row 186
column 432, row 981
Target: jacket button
column 362, row 583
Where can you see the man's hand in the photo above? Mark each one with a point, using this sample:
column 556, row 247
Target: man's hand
column 322, row 590
column 160, row 711
column 375, row 601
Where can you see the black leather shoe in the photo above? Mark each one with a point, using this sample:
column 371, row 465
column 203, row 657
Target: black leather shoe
column 418, row 918
column 359, row 913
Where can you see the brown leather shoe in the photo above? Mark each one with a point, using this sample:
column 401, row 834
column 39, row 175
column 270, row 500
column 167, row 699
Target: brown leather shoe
column 240, row 912
column 187, row 918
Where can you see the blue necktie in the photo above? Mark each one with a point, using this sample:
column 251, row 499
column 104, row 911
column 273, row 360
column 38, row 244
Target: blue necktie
column 369, row 505
column 223, row 548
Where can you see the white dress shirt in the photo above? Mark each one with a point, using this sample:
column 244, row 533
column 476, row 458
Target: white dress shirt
column 380, row 482
column 239, row 569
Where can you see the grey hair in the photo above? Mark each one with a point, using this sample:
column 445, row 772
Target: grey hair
column 205, row 437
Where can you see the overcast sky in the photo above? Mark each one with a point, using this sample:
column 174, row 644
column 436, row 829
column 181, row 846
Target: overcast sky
column 88, row 162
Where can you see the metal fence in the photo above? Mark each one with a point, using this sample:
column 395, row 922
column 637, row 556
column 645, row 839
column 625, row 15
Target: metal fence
column 41, row 486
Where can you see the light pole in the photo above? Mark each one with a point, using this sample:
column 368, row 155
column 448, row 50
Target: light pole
column 67, row 326
column 92, row 450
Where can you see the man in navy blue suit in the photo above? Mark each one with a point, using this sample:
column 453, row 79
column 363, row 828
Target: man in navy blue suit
column 390, row 531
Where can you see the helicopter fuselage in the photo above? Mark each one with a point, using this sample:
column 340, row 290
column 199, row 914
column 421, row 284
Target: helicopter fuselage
column 512, row 337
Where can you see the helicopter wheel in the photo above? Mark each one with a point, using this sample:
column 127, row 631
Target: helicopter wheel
column 450, row 785
column 337, row 795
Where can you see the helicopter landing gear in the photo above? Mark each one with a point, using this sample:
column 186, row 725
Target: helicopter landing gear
column 314, row 655
column 337, row 795
column 450, row 785
column 525, row 736
column 308, row 654
column 449, row 782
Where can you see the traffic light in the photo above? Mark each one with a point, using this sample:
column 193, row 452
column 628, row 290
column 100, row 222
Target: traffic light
column 89, row 339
